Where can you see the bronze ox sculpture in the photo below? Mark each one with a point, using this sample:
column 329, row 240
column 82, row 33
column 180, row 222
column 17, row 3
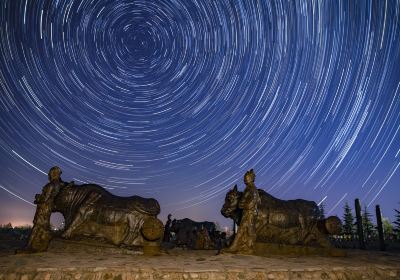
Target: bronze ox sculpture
column 292, row 222
column 90, row 210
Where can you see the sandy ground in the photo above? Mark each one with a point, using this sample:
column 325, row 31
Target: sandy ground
column 78, row 255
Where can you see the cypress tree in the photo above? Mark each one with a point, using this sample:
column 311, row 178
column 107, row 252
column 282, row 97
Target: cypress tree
column 387, row 228
column 348, row 220
column 367, row 223
column 321, row 211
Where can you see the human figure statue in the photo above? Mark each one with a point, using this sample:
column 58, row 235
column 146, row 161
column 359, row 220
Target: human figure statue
column 41, row 233
column 246, row 236
column 203, row 239
column 220, row 242
column 167, row 229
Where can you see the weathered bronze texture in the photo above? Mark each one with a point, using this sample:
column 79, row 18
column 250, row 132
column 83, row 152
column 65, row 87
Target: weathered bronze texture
column 91, row 211
column 41, row 233
column 203, row 241
column 152, row 229
column 246, row 236
column 292, row 222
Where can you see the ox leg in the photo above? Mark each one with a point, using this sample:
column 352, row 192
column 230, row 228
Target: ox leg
column 84, row 212
column 305, row 235
column 135, row 222
column 82, row 215
column 314, row 235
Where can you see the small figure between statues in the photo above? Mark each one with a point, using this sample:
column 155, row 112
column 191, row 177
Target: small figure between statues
column 203, row 241
column 167, row 229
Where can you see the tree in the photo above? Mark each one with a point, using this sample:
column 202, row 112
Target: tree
column 387, row 228
column 321, row 211
column 397, row 223
column 218, row 227
column 348, row 219
column 367, row 223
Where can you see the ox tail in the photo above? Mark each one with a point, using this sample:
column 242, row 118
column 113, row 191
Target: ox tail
column 330, row 225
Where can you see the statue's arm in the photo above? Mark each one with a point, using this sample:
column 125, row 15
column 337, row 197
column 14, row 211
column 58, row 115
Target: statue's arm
column 45, row 195
column 245, row 200
column 65, row 184
column 249, row 200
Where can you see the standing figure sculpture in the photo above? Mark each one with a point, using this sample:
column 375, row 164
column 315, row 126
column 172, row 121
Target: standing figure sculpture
column 289, row 222
column 203, row 241
column 41, row 233
column 246, row 236
column 167, row 229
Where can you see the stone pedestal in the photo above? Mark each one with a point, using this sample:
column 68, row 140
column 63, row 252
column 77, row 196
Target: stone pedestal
column 151, row 248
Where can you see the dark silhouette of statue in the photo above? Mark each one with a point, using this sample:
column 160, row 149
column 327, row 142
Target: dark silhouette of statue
column 245, row 238
column 292, row 222
column 186, row 231
column 220, row 242
column 167, row 229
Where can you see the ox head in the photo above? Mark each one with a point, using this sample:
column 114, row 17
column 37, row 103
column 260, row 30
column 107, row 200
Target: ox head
column 230, row 208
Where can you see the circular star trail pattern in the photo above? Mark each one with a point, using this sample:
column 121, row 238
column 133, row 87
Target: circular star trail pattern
column 177, row 99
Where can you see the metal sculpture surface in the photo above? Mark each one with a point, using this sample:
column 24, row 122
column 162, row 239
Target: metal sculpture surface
column 41, row 233
column 91, row 211
column 203, row 241
column 245, row 238
column 152, row 229
column 291, row 222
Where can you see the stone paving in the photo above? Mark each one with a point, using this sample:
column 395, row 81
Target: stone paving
column 105, row 262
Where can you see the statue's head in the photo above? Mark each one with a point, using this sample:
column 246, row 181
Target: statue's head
column 249, row 177
column 55, row 173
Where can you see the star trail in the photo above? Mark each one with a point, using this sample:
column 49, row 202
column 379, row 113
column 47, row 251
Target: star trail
column 177, row 99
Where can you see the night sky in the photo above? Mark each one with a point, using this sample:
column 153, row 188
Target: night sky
column 176, row 99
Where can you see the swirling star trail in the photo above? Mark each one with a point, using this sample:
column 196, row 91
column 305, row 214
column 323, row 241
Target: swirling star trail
column 177, row 99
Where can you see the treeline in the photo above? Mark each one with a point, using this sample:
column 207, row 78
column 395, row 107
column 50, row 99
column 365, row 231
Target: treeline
column 370, row 229
column 8, row 232
column 371, row 232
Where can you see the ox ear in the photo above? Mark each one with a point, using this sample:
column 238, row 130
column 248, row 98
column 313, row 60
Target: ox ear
column 235, row 188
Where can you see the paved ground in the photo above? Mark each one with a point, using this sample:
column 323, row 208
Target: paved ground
column 80, row 261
